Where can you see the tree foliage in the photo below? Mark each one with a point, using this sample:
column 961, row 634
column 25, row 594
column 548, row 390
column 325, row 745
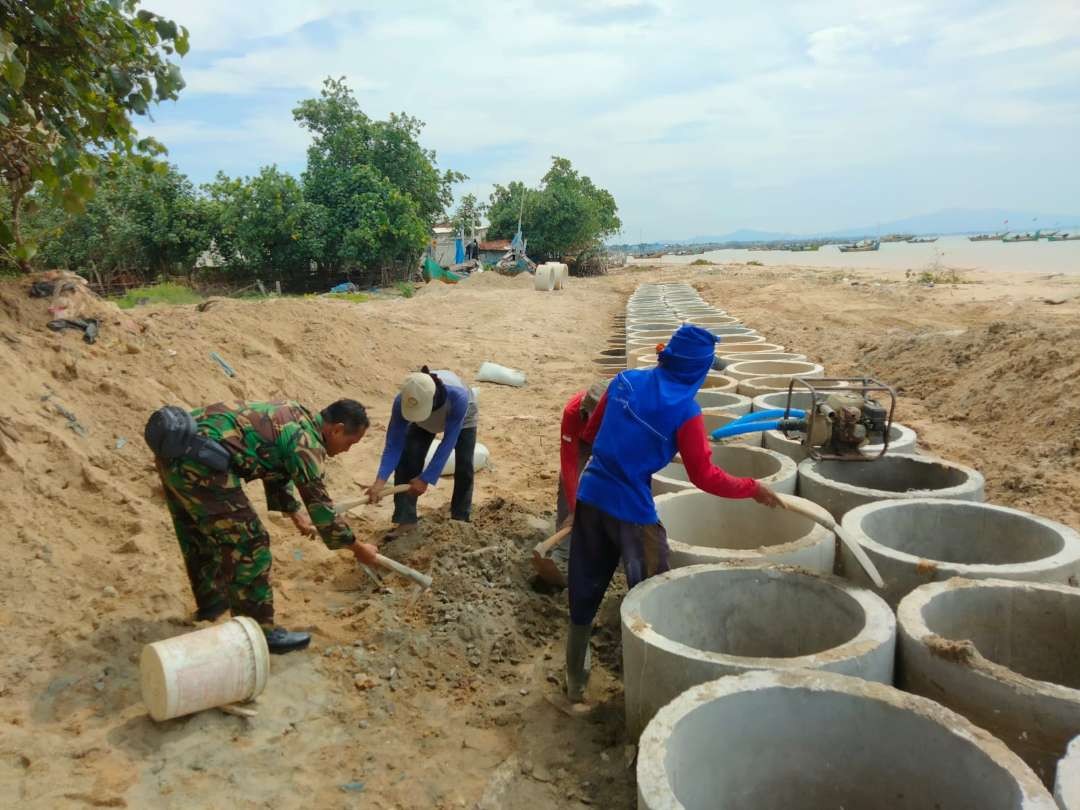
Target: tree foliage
column 143, row 221
column 468, row 215
column 263, row 223
column 380, row 189
column 566, row 215
column 72, row 73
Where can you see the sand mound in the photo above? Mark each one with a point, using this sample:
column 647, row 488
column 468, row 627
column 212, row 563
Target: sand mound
column 93, row 571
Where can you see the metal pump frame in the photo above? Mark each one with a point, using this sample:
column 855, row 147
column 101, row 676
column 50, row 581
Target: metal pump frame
column 844, row 385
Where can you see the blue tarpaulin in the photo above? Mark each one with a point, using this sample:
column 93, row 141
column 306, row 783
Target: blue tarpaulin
column 459, row 250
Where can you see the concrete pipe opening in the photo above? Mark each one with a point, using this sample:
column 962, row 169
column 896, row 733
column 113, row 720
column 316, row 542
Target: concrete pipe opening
column 724, row 401
column 822, row 741
column 639, row 327
column 740, row 340
column 713, row 320
column 741, row 357
column 774, row 368
column 731, row 329
column 702, row 528
column 715, row 381
column 692, row 625
column 716, row 418
column 619, row 354
column 723, row 348
column 1002, row 653
column 840, row 486
column 758, row 386
column 776, row 471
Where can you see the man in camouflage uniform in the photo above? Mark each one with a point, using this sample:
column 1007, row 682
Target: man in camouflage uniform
column 226, row 549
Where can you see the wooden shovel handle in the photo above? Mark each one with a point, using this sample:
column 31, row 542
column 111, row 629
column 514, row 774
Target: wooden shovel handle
column 351, row 503
column 544, row 548
column 393, row 565
column 808, row 509
column 820, row 516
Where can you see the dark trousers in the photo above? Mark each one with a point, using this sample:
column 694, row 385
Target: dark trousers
column 597, row 542
column 411, row 464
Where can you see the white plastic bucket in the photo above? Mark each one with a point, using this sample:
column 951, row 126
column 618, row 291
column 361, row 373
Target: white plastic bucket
column 480, row 457
column 223, row 664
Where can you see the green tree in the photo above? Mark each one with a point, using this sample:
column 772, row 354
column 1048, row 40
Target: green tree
column 264, row 224
column 468, row 215
column 72, row 73
column 145, row 221
column 380, row 189
column 567, row 215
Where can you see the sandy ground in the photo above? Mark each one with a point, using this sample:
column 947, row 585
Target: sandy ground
column 439, row 700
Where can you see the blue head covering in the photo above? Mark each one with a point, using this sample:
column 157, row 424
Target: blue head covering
column 638, row 436
column 683, row 364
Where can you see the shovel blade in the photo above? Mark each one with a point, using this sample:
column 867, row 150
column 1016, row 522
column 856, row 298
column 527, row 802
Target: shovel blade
column 547, row 570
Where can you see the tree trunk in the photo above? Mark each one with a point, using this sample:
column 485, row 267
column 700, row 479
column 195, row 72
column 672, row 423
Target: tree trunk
column 17, row 194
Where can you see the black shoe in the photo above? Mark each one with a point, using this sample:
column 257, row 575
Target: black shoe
column 281, row 641
column 211, row 613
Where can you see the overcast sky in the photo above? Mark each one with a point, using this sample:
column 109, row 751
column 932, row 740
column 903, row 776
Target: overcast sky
column 700, row 117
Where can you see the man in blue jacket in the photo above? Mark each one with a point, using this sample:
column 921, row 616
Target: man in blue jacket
column 430, row 403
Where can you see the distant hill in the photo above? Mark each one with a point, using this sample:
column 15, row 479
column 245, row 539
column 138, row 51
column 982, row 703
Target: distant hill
column 741, row 235
column 946, row 221
column 965, row 220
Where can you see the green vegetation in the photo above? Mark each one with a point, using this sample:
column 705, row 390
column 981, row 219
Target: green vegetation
column 754, row 263
column 352, row 298
column 71, row 76
column 159, row 294
column 468, row 215
column 406, row 289
column 566, row 216
column 700, row 262
column 379, row 191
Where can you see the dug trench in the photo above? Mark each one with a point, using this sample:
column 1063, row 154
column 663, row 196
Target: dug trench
column 441, row 699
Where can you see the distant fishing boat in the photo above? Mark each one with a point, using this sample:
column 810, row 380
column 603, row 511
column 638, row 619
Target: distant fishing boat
column 802, row 248
column 865, row 246
column 1064, row 236
column 921, row 240
column 1021, row 237
column 988, row 237
column 898, row 237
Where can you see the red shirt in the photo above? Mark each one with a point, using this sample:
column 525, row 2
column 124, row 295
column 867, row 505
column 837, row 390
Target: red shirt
column 693, row 446
column 572, row 430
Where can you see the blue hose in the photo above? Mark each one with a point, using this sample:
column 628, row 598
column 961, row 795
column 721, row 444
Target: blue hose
column 737, row 429
column 775, row 413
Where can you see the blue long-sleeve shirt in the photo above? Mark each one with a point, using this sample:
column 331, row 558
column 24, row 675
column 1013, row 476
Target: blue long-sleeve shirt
column 450, row 417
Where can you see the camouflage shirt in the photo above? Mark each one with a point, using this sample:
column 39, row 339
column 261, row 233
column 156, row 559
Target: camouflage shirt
column 281, row 443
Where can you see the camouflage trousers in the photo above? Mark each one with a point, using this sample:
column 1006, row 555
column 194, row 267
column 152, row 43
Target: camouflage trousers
column 226, row 549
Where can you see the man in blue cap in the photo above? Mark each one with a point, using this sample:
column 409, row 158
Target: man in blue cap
column 646, row 417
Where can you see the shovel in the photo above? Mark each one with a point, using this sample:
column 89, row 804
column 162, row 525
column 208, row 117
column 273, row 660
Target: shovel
column 544, row 565
column 342, row 507
column 823, row 518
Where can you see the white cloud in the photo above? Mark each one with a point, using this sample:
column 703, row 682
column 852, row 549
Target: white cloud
column 703, row 98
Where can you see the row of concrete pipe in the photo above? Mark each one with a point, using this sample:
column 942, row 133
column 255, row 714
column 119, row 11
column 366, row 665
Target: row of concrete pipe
column 764, row 670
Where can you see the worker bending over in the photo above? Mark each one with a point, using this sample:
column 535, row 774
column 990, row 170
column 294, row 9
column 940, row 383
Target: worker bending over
column 644, row 419
column 429, row 403
column 203, row 457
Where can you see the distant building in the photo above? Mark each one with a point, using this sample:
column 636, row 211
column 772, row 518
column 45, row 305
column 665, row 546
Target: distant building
column 442, row 242
column 493, row 250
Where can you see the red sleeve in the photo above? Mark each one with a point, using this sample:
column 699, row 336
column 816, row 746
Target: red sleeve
column 591, row 429
column 569, row 436
column 697, row 458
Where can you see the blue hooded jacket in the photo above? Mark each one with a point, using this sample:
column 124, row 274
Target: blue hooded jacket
column 638, row 435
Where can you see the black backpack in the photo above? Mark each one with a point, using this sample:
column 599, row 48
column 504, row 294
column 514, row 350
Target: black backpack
column 171, row 433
